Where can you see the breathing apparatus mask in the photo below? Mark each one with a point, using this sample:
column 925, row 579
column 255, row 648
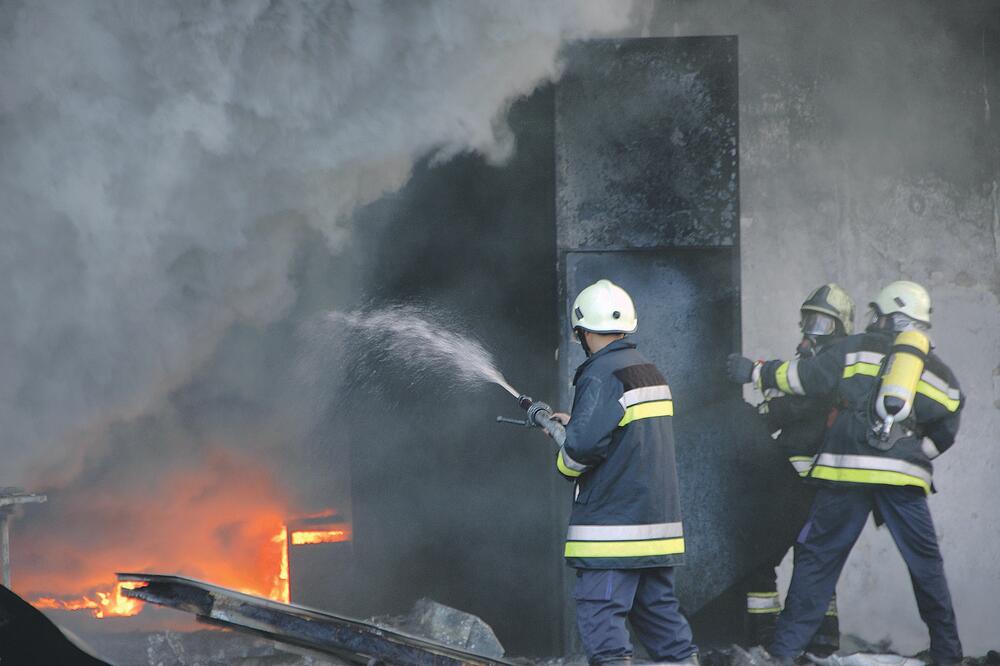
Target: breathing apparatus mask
column 818, row 329
column 895, row 322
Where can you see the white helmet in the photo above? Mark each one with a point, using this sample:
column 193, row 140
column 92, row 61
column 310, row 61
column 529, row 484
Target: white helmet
column 604, row 307
column 904, row 297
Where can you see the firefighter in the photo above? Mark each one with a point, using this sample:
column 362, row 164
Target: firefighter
column 898, row 409
column 625, row 534
column 798, row 424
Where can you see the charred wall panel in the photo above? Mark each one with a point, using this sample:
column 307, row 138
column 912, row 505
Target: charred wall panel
column 647, row 195
column 627, row 170
column 446, row 503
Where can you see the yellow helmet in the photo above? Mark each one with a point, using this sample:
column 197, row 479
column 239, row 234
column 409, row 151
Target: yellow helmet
column 831, row 300
column 604, row 307
column 904, row 297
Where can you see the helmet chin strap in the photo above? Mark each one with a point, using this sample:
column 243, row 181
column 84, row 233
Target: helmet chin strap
column 581, row 336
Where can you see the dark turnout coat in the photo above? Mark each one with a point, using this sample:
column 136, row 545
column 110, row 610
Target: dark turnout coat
column 800, row 422
column 848, row 371
column 620, row 451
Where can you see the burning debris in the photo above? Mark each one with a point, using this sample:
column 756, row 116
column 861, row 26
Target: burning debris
column 195, row 521
column 326, row 527
column 102, row 605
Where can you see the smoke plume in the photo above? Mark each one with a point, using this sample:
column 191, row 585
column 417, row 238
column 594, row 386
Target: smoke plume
column 166, row 166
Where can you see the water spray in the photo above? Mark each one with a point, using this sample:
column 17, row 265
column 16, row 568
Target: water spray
column 424, row 340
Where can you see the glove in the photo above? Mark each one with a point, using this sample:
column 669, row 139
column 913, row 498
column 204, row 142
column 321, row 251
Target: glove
column 739, row 369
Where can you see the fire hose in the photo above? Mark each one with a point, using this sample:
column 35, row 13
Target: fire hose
column 539, row 415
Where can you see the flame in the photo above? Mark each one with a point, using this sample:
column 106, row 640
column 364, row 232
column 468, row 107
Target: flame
column 222, row 522
column 106, row 604
column 303, row 537
column 279, row 587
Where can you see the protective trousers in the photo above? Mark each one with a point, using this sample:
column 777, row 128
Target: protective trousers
column 763, row 600
column 835, row 522
column 606, row 597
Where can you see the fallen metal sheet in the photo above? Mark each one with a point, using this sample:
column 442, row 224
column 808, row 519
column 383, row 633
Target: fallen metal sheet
column 296, row 625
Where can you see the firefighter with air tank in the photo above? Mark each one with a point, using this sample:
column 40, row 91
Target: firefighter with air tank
column 625, row 534
column 798, row 423
column 898, row 408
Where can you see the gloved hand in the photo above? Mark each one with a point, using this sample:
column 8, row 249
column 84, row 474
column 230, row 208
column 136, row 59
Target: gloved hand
column 560, row 417
column 739, row 368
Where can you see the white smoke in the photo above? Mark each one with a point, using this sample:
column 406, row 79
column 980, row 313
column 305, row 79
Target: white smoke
column 158, row 156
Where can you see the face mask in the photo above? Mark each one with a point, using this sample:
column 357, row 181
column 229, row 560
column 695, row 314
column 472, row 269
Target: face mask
column 900, row 323
column 817, row 323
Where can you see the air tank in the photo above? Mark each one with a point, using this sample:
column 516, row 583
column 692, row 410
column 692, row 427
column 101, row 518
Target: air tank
column 900, row 378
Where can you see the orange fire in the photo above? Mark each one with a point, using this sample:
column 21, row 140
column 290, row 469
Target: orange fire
column 279, row 587
column 222, row 522
column 107, row 604
column 303, row 537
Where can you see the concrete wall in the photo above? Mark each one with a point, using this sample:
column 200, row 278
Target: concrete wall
column 870, row 153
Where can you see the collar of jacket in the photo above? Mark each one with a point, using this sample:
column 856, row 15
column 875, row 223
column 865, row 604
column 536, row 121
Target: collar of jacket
column 613, row 347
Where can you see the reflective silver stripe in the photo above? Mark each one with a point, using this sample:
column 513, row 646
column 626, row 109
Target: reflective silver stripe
column 802, row 463
column 929, row 449
column 863, row 357
column 624, row 532
column 644, row 394
column 873, row 462
column 570, row 463
column 940, row 385
column 761, row 602
column 793, row 378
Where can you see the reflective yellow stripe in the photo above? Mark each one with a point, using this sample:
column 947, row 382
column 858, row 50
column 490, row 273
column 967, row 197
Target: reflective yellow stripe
column 647, row 410
column 624, row 548
column 937, row 395
column 861, row 368
column 763, row 602
column 781, row 378
column 561, row 466
column 801, row 464
column 884, row 477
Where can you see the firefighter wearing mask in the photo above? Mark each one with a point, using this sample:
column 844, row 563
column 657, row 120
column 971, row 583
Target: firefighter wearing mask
column 625, row 534
column 798, row 424
column 898, row 409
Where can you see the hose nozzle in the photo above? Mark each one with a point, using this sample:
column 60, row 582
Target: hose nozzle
column 540, row 416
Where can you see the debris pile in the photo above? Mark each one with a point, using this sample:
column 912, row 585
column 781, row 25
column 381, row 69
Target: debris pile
column 200, row 648
column 444, row 624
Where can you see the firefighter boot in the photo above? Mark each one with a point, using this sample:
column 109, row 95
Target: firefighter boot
column 826, row 640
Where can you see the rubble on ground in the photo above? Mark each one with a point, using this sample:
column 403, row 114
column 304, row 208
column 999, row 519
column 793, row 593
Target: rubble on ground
column 444, row 624
column 200, row 648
